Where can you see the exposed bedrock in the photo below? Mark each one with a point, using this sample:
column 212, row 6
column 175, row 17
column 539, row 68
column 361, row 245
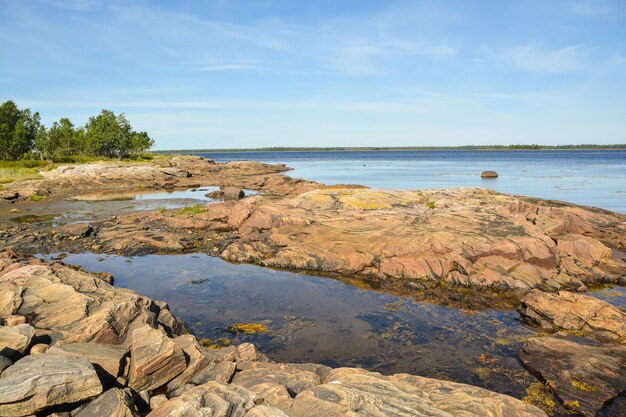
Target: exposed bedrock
column 470, row 237
column 114, row 353
column 576, row 313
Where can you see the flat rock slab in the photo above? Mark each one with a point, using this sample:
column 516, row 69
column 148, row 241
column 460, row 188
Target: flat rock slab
column 106, row 359
column 113, row 403
column 353, row 392
column 35, row 383
column 15, row 340
column 575, row 312
column 589, row 373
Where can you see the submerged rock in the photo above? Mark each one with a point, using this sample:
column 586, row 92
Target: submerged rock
column 35, row 383
column 580, row 314
column 584, row 376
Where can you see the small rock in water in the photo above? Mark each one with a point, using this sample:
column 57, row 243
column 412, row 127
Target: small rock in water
column 233, row 193
column 489, row 174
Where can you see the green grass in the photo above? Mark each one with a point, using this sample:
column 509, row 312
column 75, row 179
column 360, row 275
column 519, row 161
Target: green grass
column 37, row 197
column 18, row 174
column 191, row 210
column 431, row 204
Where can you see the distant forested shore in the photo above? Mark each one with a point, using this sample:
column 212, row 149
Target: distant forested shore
column 402, row 148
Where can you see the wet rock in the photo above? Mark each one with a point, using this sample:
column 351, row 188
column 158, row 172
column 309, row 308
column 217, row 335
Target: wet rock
column 114, row 403
column 489, row 174
column 15, row 340
column 574, row 312
column 353, row 392
column 212, row 399
column 35, row 383
column 154, row 359
column 584, row 376
column 74, row 230
column 107, row 360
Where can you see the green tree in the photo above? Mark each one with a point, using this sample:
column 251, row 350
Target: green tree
column 63, row 137
column 112, row 135
column 18, row 129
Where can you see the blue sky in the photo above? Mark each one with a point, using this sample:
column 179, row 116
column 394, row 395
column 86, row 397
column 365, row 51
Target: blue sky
column 227, row 74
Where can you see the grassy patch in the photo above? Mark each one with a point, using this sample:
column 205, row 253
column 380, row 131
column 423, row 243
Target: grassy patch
column 247, row 328
column 18, row 174
column 191, row 210
column 431, row 204
column 37, row 197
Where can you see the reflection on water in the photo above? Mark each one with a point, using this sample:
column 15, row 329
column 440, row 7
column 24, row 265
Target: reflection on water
column 313, row 319
column 198, row 193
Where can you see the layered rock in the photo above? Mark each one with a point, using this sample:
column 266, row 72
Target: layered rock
column 354, row 392
column 35, row 383
column 584, row 375
column 71, row 305
column 576, row 313
column 143, row 365
column 462, row 236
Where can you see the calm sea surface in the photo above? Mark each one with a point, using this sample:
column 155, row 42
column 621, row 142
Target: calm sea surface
column 594, row 178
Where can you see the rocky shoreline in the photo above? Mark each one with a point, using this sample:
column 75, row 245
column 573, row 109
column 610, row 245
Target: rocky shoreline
column 74, row 345
column 117, row 353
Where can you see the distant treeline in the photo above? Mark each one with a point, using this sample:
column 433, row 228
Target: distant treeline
column 398, row 148
column 22, row 135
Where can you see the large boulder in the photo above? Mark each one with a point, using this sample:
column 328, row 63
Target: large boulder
column 154, row 359
column 576, row 313
column 353, row 392
column 113, row 403
column 36, row 383
column 15, row 340
column 584, row 376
